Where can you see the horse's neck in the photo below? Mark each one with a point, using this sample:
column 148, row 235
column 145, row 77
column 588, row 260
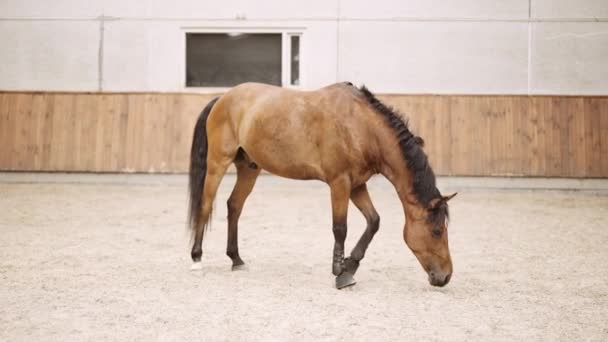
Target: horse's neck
column 394, row 168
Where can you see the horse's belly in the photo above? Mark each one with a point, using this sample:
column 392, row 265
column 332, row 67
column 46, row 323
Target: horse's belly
column 297, row 146
column 285, row 163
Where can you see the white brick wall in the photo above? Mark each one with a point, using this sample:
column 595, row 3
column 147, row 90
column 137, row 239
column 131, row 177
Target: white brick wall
column 415, row 46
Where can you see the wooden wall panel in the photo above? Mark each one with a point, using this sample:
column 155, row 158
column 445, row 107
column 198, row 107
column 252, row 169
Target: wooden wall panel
column 97, row 132
column 599, row 108
column 552, row 136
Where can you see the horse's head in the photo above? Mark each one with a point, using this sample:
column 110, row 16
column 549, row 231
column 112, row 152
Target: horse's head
column 426, row 234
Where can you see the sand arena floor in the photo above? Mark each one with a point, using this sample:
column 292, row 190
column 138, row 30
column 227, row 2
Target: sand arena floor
column 110, row 261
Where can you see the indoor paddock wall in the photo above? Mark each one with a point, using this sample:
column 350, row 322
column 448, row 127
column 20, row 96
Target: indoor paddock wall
column 466, row 135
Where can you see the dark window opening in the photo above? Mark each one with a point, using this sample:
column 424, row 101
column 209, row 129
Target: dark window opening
column 295, row 60
column 228, row 59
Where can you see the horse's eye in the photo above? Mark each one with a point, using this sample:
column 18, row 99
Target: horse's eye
column 436, row 232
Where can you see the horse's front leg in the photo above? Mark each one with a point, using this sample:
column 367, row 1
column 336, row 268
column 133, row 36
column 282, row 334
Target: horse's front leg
column 340, row 192
column 361, row 199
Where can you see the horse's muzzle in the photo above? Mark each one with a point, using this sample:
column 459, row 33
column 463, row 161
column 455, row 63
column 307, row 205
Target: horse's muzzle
column 439, row 279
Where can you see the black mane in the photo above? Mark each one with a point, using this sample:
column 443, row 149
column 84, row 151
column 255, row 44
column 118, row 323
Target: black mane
column 416, row 160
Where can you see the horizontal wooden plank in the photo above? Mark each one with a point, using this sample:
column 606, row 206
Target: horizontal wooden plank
column 555, row 136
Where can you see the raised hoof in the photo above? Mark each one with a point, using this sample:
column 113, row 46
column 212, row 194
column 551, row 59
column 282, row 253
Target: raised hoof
column 351, row 265
column 241, row 267
column 345, row 280
column 196, row 266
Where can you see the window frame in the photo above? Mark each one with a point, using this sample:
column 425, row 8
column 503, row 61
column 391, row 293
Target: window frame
column 286, row 34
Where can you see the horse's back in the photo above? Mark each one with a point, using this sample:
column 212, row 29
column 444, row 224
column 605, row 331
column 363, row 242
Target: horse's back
column 297, row 134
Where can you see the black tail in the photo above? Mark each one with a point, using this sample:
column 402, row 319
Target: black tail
column 198, row 167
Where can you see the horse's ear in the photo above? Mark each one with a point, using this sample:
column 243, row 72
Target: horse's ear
column 449, row 197
column 435, row 202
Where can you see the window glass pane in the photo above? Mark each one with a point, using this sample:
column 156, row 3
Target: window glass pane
column 225, row 60
column 295, row 60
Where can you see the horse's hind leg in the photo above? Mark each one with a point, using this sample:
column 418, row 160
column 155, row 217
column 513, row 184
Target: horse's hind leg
column 361, row 199
column 246, row 176
column 216, row 168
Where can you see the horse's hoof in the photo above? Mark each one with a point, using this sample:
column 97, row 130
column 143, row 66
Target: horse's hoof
column 351, row 265
column 241, row 267
column 345, row 280
column 196, row 266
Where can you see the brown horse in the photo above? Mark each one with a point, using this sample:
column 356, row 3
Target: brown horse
column 341, row 135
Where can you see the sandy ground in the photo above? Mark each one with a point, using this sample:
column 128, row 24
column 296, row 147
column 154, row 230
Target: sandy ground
column 111, row 262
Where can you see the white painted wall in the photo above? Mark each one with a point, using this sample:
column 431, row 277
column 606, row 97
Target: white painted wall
column 48, row 55
column 440, row 10
column 569, row 58
column 427, row 57
column 394, row 46
column 562, row 9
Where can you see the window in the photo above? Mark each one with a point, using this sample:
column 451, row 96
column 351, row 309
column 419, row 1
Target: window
column 226, row 59
column 295, row 60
